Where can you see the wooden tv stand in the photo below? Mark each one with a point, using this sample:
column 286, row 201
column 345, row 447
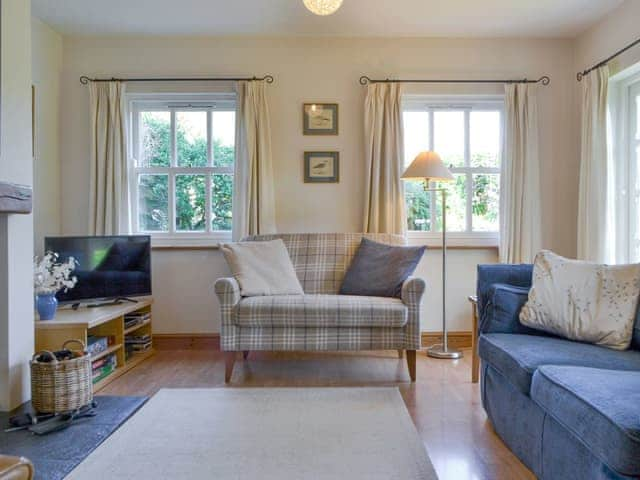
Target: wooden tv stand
column 103, row 321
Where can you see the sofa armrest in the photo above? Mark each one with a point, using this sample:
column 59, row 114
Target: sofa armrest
column 502, row 310
column 228, row 291
column 412, row 290
column 488, row 275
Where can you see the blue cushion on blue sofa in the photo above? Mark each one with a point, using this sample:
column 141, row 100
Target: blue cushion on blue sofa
column 635, row 340
column 502, row 310
column 600, row 407
column 518, row 356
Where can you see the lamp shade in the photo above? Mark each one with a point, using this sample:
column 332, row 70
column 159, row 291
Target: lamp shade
column 428, row 165
column 322, row 7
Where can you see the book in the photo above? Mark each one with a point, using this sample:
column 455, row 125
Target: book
column 105, row 366
column 102, row 373
column 96, row 345
column 98, row 363
column 101, row 362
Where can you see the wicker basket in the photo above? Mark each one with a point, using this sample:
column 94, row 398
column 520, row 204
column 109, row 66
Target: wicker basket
column 61, row 386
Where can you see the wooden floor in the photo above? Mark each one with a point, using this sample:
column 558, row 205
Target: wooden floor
column 444, row 404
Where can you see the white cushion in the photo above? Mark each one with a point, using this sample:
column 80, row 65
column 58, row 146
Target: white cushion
column 583, row 301
column 262, row 268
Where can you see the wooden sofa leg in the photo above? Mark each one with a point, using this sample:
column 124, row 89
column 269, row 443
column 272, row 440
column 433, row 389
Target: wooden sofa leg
column 245, row 354
column 400, row 353
column 411, row 363
column 229, row 360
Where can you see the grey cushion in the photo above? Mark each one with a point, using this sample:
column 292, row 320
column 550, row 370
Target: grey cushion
column 600, row 407
column 378, row 270
column 321, row 311
column 518, row 356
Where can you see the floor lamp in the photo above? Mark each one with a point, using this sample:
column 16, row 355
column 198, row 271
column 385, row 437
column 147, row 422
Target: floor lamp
column 428, row 166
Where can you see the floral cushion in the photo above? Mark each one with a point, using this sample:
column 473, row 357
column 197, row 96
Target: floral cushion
column 583, row 301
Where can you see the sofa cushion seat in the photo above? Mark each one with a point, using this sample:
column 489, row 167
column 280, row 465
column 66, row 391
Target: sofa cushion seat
column 600, row 407
column 518, row 356
column 321, row 311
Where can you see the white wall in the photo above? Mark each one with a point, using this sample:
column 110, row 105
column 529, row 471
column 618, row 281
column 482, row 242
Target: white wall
column 314, row 69
column 183, row 281
column 16, row 231
column 609, row 35
column 46, row 61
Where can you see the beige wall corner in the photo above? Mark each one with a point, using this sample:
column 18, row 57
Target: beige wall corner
column 46, row 62
column 16, row 231
column 609, row 35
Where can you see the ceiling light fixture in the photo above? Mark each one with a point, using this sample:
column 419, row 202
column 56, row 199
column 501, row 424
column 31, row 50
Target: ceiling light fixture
column 322, row 7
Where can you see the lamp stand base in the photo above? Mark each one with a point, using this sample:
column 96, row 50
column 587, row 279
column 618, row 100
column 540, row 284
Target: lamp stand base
column 438, row 351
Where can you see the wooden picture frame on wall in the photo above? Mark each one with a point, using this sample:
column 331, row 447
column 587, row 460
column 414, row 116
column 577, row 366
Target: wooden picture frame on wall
column 320, row 119
column 321, row 167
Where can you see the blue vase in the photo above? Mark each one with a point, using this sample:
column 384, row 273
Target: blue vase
column 47, row 304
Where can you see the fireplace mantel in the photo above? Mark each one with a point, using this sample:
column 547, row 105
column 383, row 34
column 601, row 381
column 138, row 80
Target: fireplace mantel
column 15, row 198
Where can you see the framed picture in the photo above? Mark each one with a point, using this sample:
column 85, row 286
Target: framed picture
column 321, row 167
column 320, row 119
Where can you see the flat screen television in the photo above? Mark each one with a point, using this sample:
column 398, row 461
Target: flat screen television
column 110, row 267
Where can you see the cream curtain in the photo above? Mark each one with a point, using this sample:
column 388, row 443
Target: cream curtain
column 593, row 227
column 253, row 194
column 520, row 237
column 384, row 152
column 108, row 189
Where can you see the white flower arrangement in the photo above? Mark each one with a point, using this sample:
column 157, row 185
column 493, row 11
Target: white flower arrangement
column 50, row 276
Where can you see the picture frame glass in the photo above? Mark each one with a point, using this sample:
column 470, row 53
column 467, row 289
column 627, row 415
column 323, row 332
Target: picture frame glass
column 321, row 166
column 320, row 119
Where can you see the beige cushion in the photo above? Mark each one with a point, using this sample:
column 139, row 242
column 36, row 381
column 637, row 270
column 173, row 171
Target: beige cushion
column 262, row 268
column 583, row 301
column 323, row 311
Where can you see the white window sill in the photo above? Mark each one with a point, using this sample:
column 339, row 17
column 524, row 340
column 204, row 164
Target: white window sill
column 189, row 241
column 432, row 240
column 455, row 240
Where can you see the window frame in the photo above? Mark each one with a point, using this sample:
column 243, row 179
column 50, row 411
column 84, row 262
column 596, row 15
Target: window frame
column 624, row 199
column 177, row 102
column 466, row 104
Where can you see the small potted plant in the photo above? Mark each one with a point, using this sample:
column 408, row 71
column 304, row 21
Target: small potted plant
column 49, row 277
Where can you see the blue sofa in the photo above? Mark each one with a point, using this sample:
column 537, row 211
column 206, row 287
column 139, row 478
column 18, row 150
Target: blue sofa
column 568, row 410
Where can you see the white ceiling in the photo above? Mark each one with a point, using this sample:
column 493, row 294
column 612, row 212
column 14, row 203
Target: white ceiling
column 421, row 18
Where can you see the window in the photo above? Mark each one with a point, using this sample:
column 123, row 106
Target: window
column 183, row 151
column 624, row 163
column 634, row 155
column 467, row 134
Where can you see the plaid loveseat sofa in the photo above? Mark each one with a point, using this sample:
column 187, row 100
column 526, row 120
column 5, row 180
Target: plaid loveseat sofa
column 321, row 319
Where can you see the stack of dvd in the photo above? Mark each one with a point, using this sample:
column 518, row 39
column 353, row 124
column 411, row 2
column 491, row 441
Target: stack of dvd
column 138, row 343
column 136, row 318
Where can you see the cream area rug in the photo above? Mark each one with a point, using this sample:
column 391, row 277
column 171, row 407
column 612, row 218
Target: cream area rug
column 266, row 434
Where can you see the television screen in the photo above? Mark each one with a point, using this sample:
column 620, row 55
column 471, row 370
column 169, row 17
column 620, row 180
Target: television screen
column 108, row 267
